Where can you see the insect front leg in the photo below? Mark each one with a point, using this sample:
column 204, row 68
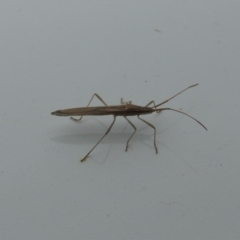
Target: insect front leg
column 132, row 133
column 150, row 125
column 96, row 95
column 152, row 102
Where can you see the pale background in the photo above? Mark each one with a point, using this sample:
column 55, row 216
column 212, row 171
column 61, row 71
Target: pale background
column 56, row 54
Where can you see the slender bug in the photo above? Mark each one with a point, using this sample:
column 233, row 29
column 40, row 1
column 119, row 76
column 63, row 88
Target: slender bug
column 125, row 109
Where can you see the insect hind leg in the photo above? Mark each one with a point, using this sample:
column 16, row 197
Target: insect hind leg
column 100, row 99
column 108, row 130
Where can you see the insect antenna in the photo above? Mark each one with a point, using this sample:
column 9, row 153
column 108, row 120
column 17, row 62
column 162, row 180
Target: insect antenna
column 163, row 109
column 174, row 96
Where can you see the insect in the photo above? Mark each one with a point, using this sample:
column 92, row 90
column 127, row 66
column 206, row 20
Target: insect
column 125, row 109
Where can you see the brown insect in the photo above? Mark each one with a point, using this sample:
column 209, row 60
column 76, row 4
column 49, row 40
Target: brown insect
column 125, row 109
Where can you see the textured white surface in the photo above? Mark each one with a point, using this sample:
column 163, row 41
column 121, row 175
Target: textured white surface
column 56, row 54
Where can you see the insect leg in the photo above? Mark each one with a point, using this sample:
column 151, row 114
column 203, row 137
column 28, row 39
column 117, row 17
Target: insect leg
column 114, row 119
column 150, row 125
column 126, row 103
column 96, row 95
column 132, row 133
column 152, row 102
